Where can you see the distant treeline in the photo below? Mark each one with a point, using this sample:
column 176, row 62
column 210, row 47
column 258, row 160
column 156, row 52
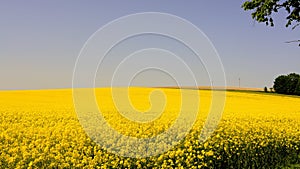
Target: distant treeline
column 287, row 84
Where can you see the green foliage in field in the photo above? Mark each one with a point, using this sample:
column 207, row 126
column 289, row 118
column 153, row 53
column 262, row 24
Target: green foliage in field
column 287, row 84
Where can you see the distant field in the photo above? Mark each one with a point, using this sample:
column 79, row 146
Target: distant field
column 221, row 88
column 40, row 129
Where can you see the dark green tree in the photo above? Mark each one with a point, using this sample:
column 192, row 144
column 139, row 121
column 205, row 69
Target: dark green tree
column 266, row 89
column 264, row 10
column 292, row 81
column 297, row 90
column 287, row 84
column 280, row 84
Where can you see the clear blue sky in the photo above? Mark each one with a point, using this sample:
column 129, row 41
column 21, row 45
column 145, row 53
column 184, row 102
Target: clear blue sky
column 40, row 40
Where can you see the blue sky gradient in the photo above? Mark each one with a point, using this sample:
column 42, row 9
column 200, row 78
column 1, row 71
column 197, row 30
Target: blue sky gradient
column 40, row 40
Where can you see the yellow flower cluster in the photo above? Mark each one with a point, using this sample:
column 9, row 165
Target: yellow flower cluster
column 40, row 129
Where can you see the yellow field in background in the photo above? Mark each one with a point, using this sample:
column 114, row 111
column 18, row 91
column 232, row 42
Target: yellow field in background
column 39, row 128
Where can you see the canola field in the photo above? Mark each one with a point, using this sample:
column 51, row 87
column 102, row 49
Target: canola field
column 40, row 129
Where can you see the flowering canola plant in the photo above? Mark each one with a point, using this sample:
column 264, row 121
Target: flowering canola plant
column 40, row 128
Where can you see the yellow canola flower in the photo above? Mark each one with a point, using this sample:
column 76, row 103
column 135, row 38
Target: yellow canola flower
column 40, row 129
column 209, row 153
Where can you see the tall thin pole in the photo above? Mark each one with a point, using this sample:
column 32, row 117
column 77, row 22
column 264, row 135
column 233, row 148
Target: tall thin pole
column 239, row 82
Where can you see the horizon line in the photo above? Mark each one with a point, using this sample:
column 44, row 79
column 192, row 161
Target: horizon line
column 174, row 87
